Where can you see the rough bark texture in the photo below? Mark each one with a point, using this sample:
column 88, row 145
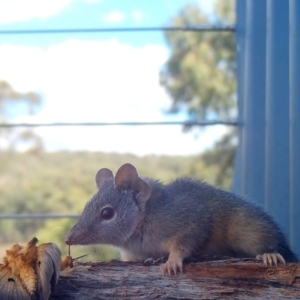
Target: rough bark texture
column 223, row 279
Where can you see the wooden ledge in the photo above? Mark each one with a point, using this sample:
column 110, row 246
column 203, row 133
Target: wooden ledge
column 222, row 279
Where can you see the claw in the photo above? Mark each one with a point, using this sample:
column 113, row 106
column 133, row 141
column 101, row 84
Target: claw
column 280, row 257
column 149, row 261
column 171, row 266
column 270, row 258
column 274, row 258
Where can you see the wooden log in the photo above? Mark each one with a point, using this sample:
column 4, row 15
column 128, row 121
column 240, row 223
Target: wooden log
column 223, row 279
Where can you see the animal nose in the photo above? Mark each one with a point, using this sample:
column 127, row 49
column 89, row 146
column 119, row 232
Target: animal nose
column 69, row 242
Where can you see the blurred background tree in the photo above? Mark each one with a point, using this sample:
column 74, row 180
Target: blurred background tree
column 14, row 104
column 200, row 77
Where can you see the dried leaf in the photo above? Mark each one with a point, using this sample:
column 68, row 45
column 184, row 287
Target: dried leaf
column 48, row 265
column 11, row 287
column 29, row 272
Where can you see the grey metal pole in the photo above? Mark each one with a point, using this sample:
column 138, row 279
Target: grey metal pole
column 277, row 113
column 295, row 124
column 253, row 126
column 240, row 54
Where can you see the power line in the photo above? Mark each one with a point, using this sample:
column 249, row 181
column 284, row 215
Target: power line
column 213, row 28
column 37, row 216
column 185, row 123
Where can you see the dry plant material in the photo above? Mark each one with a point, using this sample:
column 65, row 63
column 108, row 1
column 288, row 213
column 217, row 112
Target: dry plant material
column 29, row 272
column 68, row 261
column 67, row 265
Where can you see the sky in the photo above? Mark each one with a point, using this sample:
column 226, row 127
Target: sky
column 99, row 77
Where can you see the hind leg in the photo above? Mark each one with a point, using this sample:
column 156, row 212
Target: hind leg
column 271, row 258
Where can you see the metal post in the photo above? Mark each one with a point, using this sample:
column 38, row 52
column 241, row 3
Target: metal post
column 277, row 113
column 253, row 124
column 240, row 53
column 295, row 124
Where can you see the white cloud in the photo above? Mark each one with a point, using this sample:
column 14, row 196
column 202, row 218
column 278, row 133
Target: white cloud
column 207, row 6
column 92, row 1
column 115, row 17
column 138, row 16
column 20, row 10
column 100, row 81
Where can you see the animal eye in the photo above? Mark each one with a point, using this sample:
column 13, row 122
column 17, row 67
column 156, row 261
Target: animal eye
column 107, row 213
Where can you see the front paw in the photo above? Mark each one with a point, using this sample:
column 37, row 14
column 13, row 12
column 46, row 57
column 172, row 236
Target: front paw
column 173, row 265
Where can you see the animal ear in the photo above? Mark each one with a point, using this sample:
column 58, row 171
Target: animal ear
column 102, row 176
column 127, row 177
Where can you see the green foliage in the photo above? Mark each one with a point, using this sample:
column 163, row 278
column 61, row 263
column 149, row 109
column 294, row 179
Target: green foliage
column 62, row 182
column 200, row 77
column 14, row 104
column 200, row 73
column 9, row 98
column 222, row 158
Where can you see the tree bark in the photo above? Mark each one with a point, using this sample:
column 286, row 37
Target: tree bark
column 223, row 279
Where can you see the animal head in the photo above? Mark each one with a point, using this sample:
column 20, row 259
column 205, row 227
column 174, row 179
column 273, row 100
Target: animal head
column 115, row 211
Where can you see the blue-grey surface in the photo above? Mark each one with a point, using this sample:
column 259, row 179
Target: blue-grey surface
column 295, row 123
column 268, row 163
